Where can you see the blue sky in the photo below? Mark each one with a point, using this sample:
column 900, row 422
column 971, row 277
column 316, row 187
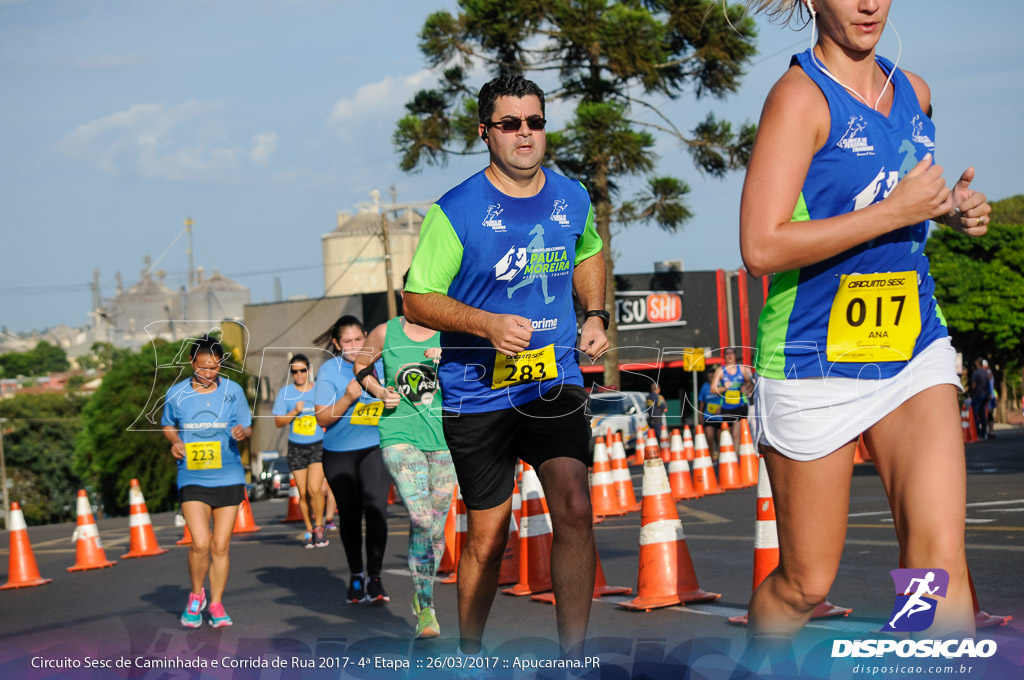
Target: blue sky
column 261, row 120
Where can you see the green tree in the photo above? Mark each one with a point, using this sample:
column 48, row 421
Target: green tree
column 44, row 358
column 610, row 58
column 1009, row 210
column 38, row 444
column 979, row 283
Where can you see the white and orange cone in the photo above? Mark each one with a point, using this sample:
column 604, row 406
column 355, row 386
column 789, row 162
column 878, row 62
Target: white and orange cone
column 688, row 444
column 245, row 523
column 621, row 476
column 89, row 553
column 603, row 496
column 666, row 576
column 534, row 539
column 704, row 480
column 461, row 534
column 509, row 573
column 294, row 507
column 748, row 456
column 766, row 546
column 664, row 445
column 640, row 451
column 679, row 471
column 22, row 570
column 601, row 587
column 143, row 538
column 728, row 462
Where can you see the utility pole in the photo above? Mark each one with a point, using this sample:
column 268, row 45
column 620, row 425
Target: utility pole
column 3, row 478
column 191, row 264
column 390, row 288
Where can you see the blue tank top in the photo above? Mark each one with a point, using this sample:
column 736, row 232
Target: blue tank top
column 865, row 312
column 303, row 429
column 204, row 423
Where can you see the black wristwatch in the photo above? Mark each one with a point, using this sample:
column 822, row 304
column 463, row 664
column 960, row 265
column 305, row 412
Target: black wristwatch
column 600, row 313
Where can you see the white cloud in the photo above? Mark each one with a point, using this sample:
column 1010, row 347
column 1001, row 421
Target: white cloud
column 381, row 100
column 161, row 142
column 264, row 144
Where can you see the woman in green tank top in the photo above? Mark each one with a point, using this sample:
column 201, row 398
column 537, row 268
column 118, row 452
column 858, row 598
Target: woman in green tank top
column 412, row 441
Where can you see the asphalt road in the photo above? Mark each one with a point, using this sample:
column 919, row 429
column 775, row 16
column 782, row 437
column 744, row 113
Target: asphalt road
column 288, row 608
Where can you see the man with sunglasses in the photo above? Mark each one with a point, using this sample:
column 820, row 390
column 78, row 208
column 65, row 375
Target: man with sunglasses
column 510, row 376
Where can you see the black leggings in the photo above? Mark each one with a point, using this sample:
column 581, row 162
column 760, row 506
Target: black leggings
column 359, row 481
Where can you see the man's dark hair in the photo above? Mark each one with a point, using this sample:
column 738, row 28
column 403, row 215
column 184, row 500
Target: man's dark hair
column 509, row 85
column 207, row 344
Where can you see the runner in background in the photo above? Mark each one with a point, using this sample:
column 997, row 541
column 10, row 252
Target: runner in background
column 413, row 445
column 205, row 417
column 839, row 191
column 352, row 460
column 733, row 384
column 709, row 406
column 294, row 409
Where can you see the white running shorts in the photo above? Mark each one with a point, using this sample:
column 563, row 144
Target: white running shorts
column 810, row 418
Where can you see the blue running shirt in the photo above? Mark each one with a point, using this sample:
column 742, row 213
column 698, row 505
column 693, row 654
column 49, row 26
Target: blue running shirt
column 204, row 423
column 866, row 312
column 520, row 254
column 357, row 429
column 303, row 429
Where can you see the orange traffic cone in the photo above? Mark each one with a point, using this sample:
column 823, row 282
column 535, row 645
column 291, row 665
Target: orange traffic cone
column 509, row 573
column 688, row 444
column 461, row 534
column 143, row 541
column 728, row 463
column 186, row 538
column 294, row 507
column 663, row 444
column 860, row 453
column 666, row 576
column 621, row 477
column 968, row 425
column 748, row 456
column 393, row 496
column 22, row 570
column 641, row 450
column 534, row 539
column 448, row 561
column 601, row 587
column 89, row 553
column 679, row 471
column 652, row 443
column 766, row 546
column 602, row 488
column 703, row 472
column 245, row 523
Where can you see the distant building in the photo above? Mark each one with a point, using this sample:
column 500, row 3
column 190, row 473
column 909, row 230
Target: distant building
column 354, row 252
column 216, row 298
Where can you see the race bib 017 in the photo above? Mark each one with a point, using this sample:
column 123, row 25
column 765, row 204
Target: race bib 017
column 874, row 317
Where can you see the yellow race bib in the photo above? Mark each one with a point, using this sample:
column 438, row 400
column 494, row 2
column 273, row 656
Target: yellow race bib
column 532, row 365
column 874, row 317
column 367, row 414
column 733, row 397
column 711, row 409
column 203, row 455
column 304, row 425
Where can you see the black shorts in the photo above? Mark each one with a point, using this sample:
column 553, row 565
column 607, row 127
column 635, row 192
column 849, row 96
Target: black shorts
column 301, row 456
column 485, row 446
column 728, row 416
column 214, row 496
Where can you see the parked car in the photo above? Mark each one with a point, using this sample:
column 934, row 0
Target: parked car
column 274, row 477
column 622, row 412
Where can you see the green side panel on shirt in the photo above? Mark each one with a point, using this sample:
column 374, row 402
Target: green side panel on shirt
column 589, row 243
column 773, row 326
column 938, row 310
column 438, row 256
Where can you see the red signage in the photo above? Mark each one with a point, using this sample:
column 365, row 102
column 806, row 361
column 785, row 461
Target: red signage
column 664, row 308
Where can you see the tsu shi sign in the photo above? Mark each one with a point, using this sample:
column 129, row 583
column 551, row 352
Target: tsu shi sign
column 648, row 308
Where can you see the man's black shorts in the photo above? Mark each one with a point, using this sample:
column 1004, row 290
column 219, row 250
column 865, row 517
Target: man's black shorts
column 485, row 446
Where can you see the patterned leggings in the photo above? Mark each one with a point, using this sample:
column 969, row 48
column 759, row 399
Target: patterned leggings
column 425, row 480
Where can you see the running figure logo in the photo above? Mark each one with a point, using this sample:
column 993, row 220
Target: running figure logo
column 535, row 247
column 914, row 610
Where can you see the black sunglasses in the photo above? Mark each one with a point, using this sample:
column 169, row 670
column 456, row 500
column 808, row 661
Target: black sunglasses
column 299, row 370
column 513, row 124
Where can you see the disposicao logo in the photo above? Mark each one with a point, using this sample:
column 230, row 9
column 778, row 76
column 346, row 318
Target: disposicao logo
column 916, row 590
